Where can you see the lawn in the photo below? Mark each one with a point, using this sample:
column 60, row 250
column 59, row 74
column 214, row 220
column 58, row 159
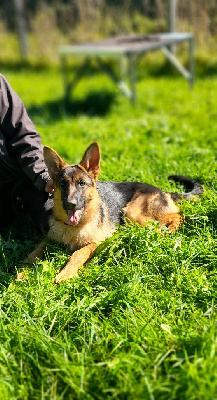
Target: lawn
column 139, row 320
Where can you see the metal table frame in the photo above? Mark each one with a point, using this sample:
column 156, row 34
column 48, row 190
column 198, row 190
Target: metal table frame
column 127, row 48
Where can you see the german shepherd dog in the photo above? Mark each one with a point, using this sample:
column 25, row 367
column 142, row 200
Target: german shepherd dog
column 87, row 212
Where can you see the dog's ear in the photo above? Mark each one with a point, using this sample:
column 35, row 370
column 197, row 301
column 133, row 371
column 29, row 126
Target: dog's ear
column 91, row 160
column 53, row 161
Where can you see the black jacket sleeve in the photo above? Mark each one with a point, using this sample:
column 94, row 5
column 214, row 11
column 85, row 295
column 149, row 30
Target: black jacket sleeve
column 22, row 140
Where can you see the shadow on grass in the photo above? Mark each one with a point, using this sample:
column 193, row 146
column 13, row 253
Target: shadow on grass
column 16, row 242
column 94, row 104
column 212, row 217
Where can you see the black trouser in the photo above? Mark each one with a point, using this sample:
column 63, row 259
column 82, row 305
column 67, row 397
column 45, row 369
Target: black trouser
column 15, row 188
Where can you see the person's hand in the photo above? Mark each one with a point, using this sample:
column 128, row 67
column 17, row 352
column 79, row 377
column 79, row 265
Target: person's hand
column 49, row 187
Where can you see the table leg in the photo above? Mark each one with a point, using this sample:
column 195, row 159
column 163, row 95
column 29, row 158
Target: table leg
column 191, row 62
column 132, row 77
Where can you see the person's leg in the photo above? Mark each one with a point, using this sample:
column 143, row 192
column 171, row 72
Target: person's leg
column 14, row 186
column 7, row 212
column 18, row 197
column 37, row 204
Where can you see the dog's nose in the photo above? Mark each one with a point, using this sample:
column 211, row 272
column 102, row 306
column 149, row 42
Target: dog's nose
column 71, row 204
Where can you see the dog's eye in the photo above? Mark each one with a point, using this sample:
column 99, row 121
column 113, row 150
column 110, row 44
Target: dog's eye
column 81, row 182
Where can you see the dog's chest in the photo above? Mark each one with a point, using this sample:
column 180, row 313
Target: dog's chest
column 76, row 236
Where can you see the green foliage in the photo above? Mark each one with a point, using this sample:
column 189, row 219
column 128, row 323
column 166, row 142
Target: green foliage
column 139, row 320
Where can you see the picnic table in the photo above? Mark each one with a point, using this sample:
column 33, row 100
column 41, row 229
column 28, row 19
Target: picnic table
column 126, row 48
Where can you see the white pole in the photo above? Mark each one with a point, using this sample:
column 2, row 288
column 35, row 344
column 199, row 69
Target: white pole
column 21, row 23
column 172, row 20
column 172, row 15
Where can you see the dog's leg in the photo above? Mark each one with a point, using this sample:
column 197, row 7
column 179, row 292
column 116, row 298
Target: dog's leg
column 77, row 259
column 172, row 221
column 37, row 254
column 154, row 207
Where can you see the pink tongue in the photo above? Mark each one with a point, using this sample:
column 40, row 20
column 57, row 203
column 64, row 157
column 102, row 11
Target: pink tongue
column 74, row 217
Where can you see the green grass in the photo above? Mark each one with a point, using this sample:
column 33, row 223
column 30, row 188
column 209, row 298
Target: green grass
column 139, row 321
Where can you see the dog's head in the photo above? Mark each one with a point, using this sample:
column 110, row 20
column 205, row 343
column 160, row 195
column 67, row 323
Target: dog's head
column 76, row 183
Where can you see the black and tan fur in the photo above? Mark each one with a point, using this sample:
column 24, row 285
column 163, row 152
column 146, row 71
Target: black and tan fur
column 86, row 212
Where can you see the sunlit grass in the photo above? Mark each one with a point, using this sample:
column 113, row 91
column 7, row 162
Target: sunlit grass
column 139, row 321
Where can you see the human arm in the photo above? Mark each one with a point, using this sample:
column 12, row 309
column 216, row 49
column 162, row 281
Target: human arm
column 22, row 139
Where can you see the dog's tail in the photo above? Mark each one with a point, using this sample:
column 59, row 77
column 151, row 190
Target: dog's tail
column 193, row 188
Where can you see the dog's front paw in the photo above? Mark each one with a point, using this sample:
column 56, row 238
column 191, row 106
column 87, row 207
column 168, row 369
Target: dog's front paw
column 35, row 255
column 21, row 277
column 65, row 274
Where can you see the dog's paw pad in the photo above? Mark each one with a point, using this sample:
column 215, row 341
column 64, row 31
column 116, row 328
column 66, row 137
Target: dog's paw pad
column 21, row 277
